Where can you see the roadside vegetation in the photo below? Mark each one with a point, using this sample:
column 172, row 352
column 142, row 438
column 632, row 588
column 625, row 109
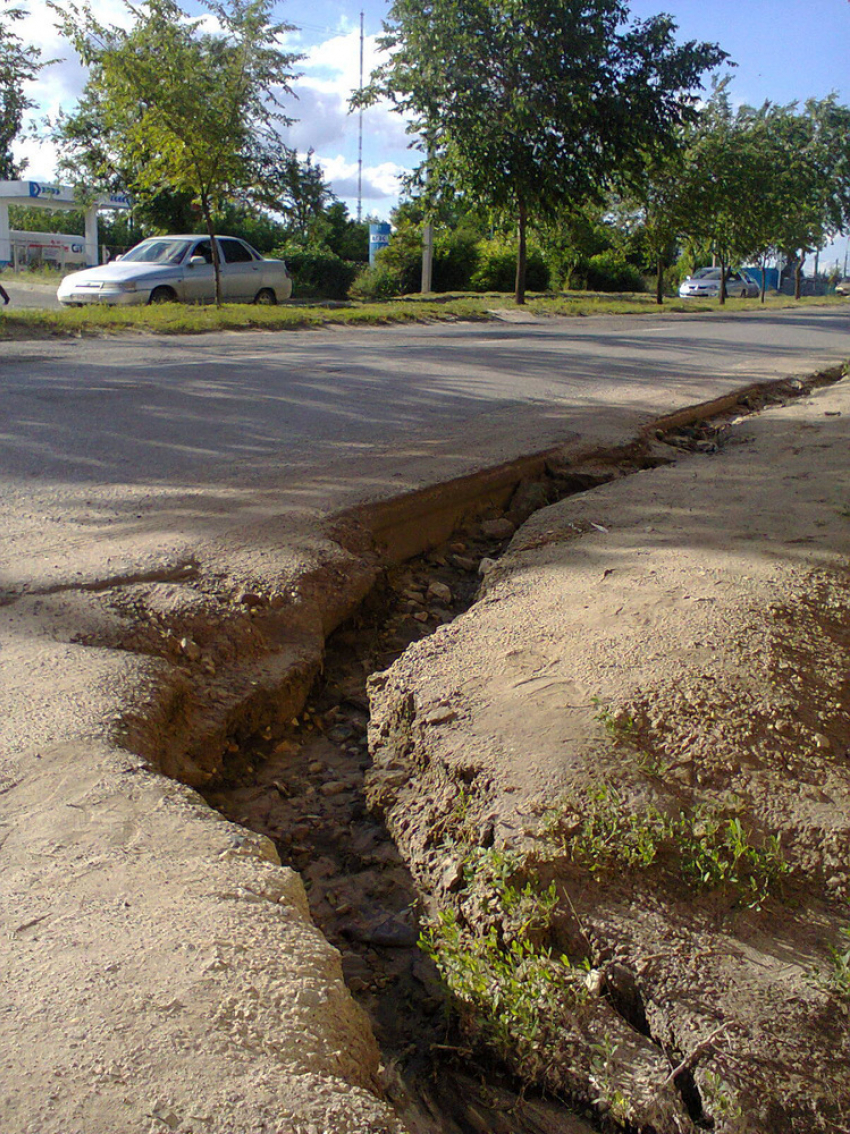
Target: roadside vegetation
column 180, row 319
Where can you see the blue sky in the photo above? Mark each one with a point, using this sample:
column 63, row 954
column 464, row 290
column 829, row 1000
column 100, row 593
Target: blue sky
column 785, row 51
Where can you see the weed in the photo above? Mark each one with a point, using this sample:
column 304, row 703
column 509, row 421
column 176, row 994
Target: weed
column 619, row 726
column 609, row 1098
column 837, row 980
column 622, row 728
column 719, row 1103
column 708, row 851
column 511, row 991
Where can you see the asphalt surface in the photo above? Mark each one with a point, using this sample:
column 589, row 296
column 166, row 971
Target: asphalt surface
column 163, row 441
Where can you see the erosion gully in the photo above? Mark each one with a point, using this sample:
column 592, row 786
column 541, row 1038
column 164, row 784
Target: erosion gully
column 305, row 791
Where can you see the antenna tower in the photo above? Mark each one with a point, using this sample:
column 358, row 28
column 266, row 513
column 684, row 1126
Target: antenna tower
column 360, row 134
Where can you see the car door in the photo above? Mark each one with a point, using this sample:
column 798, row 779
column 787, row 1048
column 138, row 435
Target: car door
column 199, row 279
column 241, row 276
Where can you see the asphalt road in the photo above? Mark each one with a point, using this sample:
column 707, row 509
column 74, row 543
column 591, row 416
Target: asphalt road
column 142, row 446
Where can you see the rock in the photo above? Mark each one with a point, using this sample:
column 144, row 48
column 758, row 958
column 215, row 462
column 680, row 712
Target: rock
column 498, row 529
column 486, row 566
column 190, row 649
column 451, row 878
column 251, row 599
column 530, row 497
column 439, row 591
column 442, row 714
column 390, row 933
column 333, row 787
column 463, row 562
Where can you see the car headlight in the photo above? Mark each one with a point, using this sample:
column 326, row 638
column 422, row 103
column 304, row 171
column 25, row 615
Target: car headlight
column 127, row 285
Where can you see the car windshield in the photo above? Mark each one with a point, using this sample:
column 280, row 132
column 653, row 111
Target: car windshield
column 706, row 274
column 157, row 252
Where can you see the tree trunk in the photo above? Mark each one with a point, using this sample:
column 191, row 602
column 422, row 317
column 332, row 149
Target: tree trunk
column 722, row 281
column 798, row 274
column 205, row 208
column 522, row 214
column 763, row 286
column 659, row 281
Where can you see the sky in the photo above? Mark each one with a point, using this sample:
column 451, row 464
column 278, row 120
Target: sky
column 785, row 51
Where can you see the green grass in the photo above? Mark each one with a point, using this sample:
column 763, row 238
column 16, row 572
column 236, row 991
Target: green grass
column 179, row 319
column 707, row 851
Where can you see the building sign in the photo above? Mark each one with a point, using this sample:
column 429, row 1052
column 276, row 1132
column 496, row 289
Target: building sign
column 42, row 191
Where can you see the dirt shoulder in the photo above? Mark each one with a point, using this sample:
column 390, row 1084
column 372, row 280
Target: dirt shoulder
column 646, row 721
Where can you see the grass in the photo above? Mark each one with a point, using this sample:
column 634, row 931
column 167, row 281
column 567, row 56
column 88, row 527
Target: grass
column 171, row 319
column 511, row 991
column 706, row 850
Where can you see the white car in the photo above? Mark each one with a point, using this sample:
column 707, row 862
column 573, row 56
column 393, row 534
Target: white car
column 167, row 269
column 705, row 284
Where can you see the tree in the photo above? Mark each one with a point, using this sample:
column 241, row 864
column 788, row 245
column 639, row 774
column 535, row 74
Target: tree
column 294, row 187
column 526, row 104
column 18, row 65
column 182, row 110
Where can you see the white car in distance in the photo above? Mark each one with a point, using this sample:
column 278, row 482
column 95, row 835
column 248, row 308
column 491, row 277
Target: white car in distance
column 705, row 284
column 179, row 269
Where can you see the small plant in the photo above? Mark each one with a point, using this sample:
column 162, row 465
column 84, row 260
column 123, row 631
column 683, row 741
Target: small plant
column 607, row 834
column 619, row 726
column 717, row 852
column 837, row 980
column 609, row 1098
column 511, row 990
column 707, row 850
column 719, row 1103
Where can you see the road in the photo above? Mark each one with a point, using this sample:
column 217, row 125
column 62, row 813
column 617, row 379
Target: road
column 141, row 446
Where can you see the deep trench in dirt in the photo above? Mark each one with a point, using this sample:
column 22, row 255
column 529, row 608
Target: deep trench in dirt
column 305, row 791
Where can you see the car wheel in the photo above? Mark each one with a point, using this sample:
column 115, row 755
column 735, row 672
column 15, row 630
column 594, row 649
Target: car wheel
column 266, row 297
column 162, row 295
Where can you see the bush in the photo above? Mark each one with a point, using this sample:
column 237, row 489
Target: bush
column 496, row 269
column 319, row 275
column 607, row 271
column 383, row 281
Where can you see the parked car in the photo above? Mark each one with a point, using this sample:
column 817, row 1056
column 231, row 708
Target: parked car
column 705, row 284
column 843, row 287
column 164, row 269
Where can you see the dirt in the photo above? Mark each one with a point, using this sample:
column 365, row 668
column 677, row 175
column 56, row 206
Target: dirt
column 675, row 640
column 644, row 720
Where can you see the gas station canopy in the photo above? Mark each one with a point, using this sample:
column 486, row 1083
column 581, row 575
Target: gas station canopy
column 47, row 195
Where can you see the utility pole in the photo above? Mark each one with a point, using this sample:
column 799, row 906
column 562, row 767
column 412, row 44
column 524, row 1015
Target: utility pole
column 360, row 134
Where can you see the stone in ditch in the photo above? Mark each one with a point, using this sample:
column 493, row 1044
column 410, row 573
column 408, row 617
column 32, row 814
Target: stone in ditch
column 333, row 787
column 497, row 529
column 439, row 591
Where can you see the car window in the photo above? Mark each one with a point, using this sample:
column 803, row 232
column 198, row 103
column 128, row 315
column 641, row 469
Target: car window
column 734, row 276
column 157, row 252
column 235, row 252
column 203, row 248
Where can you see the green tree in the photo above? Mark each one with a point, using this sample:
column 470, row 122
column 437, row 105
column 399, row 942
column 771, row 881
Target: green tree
column 294, row 187
column 18, row 64
column 183, row 110
column 524, row 105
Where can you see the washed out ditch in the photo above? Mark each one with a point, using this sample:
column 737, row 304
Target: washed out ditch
column 301, row 784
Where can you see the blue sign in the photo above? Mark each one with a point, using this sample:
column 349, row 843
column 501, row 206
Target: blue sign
column 38, row 189
column 379, row 237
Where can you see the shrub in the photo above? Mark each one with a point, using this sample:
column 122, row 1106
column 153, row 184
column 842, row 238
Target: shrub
column 496, row 269
column 382, row 281
column 318, row 274
column 607, row 271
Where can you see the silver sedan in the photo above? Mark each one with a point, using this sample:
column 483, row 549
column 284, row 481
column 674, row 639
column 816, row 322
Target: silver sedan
column 165, row 269
column 705, row 284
